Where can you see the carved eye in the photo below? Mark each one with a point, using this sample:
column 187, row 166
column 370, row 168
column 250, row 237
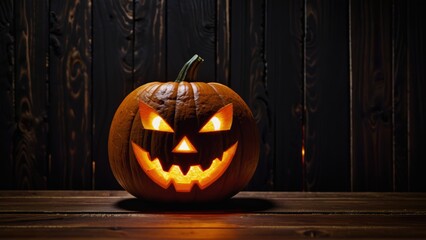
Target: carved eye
column 151, row 120
column 220, row 121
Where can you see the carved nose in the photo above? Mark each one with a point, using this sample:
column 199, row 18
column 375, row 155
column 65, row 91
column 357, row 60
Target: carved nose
column 184, row 146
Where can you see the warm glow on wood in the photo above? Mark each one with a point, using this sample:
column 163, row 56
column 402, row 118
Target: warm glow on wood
column 220, row 121
column 184, row 146
column 181, row 182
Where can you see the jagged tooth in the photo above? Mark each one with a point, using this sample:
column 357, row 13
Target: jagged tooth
column 224, row 156
column 185, row 169
column 205, row 166
column 166, row 167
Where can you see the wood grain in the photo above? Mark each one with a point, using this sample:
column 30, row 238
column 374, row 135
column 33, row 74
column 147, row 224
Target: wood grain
column 113, row 66
column 203, row 220
column 290, row 232
column 416, row 72
column 244, row 202
column 284, row 37
column 191, row 29
column 30, row 139
column 400, row 102
column 341, row 80
column 214, row 225
column 250, row 215
column 248, row 79
column 223, row 41
column 70, row 120
column 371, row 40
column 326, row 96
column 7, row 94
column 150, row 42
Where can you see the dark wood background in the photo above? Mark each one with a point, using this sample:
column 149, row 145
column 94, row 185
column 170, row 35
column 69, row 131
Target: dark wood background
column 342, row 80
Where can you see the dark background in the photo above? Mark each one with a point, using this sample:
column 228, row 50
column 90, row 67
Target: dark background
column 343, row 80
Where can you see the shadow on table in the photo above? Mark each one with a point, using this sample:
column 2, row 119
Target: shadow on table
column 233, row 205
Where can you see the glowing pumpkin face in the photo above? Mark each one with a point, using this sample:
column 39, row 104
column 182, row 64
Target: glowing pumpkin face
column 183, row 141
column 221, row 121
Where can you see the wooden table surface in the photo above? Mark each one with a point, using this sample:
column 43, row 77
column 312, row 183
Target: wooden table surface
column 249, row 215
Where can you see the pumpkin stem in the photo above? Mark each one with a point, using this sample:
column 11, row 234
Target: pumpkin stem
column 189, row 71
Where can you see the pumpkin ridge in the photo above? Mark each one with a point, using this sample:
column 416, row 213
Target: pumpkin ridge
column 175, row 97
column 176, row 91
column 151, row 93
column 195, row 85
column 149, row 88
column 116, row 129
column 227, row 176
column 185, row 107
column 217, row 92
column 242, row 146
column 221, row 97
column 191, row 85
column 213, row 97
column 136, row 120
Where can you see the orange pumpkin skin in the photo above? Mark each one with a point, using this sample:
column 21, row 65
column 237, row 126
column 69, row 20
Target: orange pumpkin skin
column 186, row 107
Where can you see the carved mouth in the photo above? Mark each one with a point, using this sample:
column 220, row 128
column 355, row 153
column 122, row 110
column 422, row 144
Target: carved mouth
column 181, row 182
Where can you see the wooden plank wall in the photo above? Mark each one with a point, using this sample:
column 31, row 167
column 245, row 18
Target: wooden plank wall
column 336, row 87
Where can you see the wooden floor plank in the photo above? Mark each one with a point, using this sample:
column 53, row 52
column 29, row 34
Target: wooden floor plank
column 201, row 221
column 121, row 202
column 283, row 232
column 244, row 194
column 249, row 215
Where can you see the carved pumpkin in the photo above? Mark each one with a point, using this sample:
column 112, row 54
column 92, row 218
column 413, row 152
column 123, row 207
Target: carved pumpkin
column 183, row 141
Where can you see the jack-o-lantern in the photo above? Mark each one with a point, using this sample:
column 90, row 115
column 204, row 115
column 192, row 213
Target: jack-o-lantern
column 183, row 141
